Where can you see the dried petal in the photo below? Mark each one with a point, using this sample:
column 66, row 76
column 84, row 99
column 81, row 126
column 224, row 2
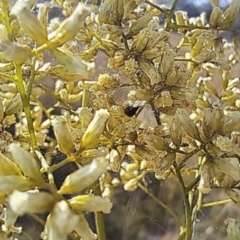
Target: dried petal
column 84, row 177
column 91, row 203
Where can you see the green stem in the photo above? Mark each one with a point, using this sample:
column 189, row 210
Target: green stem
column 32, row 76
column 26, row 105
column 6, row 77
column 170, row 15
column 216, row 203
column 164, row 11
column 99, row 218
column 5, row 15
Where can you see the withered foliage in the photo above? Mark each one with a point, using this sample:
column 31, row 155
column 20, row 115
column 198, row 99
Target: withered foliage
column 195, row 117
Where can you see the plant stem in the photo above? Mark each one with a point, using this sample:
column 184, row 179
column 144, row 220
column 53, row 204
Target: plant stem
column 166, row 207
column 216, row 203
column 26, row 105
column 164, row 11
column 32, row 76
column 156, row 113
column 188, row 210
column 170, row 15
column 191, row 27
column 99, row 218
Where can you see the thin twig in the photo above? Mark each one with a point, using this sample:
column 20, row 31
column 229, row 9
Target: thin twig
column 216, row 203
column 188, row 210
column 166, row 207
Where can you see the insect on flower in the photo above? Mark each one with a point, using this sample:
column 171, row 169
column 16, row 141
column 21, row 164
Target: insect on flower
column 134, row 108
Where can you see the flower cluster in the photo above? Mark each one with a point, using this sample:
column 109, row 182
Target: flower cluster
column 173, row 84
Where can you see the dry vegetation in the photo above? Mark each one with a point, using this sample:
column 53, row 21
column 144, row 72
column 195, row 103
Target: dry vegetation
column 154, row 134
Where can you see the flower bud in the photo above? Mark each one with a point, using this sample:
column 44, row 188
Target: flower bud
column 216, row 17
column 43, row 11
column 217, row 119
column 139, row 24
column 131, row 185
column 61, row 221
column 142, row 39
column 231, row 13
column 87, row 156
column 214, row 3
column 73, row 69
column 63, row 135
column 26, row 162
column 155, row 142
column 94, row 130
column 163, row 164
column 29, row 202
column 91, row 204
column 176, row 132
column 207, row 122
column 107, row 81
column 149, row 69
column 187, row 124
column 115, row 160
column 14, row 105
column 124, row 129
column 29, row 22
column 8, row 167
column 15, row 52
column 111, row 12
column 85, row 176
column 155, row 51
column 69, row 27
column 206, row 178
